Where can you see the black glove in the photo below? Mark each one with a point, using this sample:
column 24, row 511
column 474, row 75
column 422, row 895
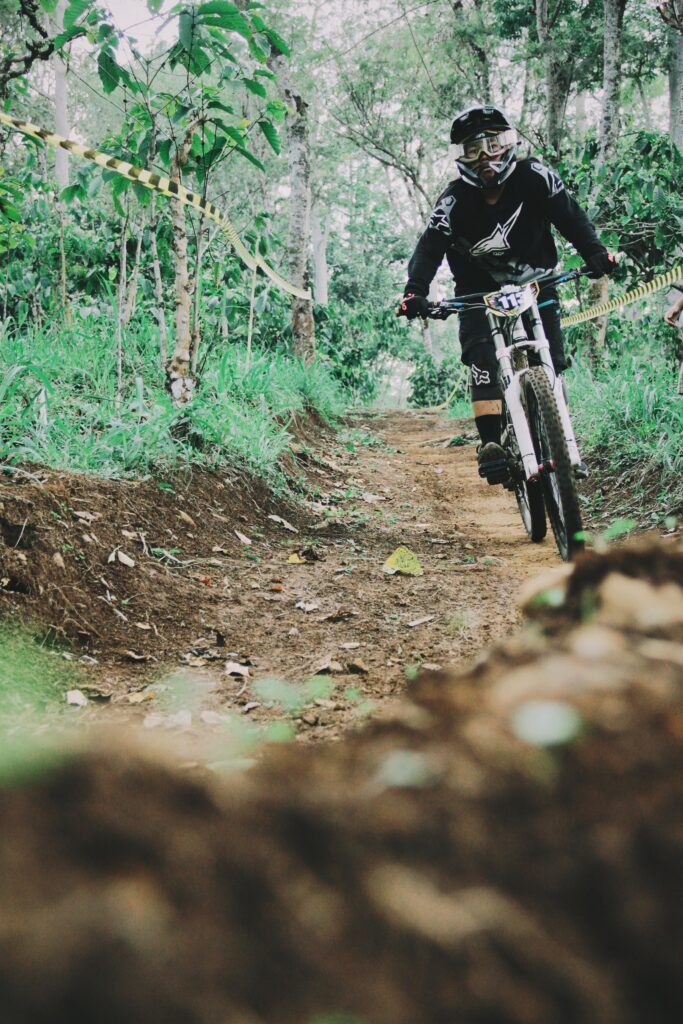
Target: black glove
column 601, row 264
column 413, row 306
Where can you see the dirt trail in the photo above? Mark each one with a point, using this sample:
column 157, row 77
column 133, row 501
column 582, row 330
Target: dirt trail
column 503, row 846
column 197, row 575
column 467, row 536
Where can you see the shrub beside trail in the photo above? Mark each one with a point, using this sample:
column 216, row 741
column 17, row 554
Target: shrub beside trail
column 504, row 847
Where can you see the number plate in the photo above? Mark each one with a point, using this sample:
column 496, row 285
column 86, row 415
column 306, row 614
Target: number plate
column 511, row 300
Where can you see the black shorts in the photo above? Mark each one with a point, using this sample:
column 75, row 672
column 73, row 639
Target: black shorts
column 479, row 354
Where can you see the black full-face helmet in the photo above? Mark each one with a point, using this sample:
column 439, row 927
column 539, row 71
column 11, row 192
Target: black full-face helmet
column 483, row 140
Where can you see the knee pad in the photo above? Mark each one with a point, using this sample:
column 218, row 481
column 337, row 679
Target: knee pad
column 481, row 359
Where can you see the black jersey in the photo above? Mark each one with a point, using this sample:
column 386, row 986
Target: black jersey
column 489, row 244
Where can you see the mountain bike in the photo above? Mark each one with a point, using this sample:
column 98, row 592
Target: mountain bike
column 538, row 439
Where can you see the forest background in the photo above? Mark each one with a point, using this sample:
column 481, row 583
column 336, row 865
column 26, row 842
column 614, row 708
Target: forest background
column 133, row 337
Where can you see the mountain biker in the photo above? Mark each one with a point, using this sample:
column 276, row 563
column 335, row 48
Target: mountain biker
column 493, row 225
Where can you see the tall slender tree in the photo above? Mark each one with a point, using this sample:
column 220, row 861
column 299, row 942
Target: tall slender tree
column 558, row 67
column 676, row 87
column 299, row 244
column 611, row 84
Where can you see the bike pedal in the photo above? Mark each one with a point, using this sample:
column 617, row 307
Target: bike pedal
column 495, row 472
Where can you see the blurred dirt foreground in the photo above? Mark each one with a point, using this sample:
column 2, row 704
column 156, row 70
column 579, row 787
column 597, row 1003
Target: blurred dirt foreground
column 506, row 847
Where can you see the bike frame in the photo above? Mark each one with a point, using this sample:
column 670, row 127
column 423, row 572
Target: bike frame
column 511, row 334
column 504, row 309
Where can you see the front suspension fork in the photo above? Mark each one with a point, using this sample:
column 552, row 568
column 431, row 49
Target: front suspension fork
column 557, row 385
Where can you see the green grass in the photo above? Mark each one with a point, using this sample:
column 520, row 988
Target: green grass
column 629, row 420
column 239, row 416
column 31, row 679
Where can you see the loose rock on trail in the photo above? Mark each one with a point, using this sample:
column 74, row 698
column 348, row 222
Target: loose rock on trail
column 204, row 574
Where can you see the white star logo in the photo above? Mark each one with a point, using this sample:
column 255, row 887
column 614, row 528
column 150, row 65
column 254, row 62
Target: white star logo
column 496, row 243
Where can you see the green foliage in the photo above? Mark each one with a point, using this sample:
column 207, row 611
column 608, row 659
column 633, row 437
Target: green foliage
column 433, row 384
column 353, row 340
column 238, row 418
column 630, row 418
column 635, row 199
column 31, row 678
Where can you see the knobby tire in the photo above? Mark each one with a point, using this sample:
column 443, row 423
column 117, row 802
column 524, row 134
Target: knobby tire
column 530, row 501
column 559, row 488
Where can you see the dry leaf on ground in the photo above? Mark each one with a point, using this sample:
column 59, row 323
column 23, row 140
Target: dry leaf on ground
column 141, row 697
column 403, row 561
column 283, row 522
column 421, row 621
column 134, row 656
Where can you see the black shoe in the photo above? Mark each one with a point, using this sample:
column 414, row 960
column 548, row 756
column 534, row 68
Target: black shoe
column 581, row 471
column 493, row 463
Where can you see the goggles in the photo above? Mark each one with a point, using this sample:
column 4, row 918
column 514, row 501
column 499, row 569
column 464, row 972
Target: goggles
column 492, row 145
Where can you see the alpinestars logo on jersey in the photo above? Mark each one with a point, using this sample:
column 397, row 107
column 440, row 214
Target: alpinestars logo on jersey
column 440, row 219
column 496, row 243
column 550, row 177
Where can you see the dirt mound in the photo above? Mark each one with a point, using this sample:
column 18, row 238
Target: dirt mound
column 505, row 848
column 117, row 565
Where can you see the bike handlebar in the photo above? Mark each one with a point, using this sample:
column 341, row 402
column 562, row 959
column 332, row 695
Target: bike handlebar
column 443, row 309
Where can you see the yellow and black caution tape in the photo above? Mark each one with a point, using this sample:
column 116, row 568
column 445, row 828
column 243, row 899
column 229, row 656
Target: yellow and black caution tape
column 655, row 285
column 158, row 183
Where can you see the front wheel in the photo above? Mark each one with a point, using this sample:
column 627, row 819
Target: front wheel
column 557, row 477
column 529, row 494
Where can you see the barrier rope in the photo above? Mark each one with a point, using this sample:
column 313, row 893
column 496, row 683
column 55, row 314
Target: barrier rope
column 158, row 183
column 655, row 285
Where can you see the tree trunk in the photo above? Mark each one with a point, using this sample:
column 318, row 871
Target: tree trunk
column 611, row 76
column 647, row 113
column 427, row 339
column 597, row 329
column 558, row 71
column 250, row 328
column 526, row 96
column 178, row 377
column 158, row 284
column 133, row 282
column 321, row 275
column 580, row 115
column 62, row 267
column 61, row 109
column 120, row 298
column 481, row 53
column 676, row 87
column 299, row 244
column 196, row 298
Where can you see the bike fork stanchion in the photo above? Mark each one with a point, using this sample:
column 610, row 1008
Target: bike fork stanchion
column 513, row 400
